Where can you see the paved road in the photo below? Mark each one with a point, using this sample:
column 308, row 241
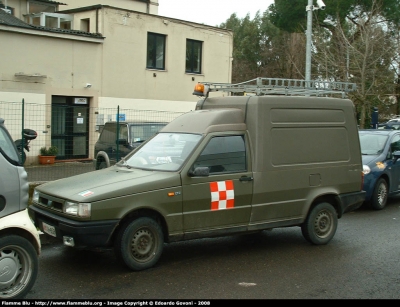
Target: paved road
column 361, row 262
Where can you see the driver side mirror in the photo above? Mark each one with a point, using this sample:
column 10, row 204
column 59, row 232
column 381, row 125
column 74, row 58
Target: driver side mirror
column 396, row 155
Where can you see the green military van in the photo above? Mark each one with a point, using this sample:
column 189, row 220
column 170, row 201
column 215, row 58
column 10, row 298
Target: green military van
column 281, row 157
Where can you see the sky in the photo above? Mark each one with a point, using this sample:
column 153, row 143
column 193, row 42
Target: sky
column 211, row 12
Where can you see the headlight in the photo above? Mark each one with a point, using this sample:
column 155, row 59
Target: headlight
column 35, row 196
column 366, row 169
column 78, row 209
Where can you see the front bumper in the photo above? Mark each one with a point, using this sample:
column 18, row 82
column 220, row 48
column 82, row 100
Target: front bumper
column 85, row 234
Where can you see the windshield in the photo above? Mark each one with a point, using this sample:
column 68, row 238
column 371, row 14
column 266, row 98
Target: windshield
column 140, row 133
column 372, row 144
column 7, row 146
column 166, row 151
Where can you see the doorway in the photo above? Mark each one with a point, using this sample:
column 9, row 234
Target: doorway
column 70, row 126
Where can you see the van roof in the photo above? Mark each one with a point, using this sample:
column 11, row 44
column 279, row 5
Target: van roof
column 205, row 121
column 135, row 122
column 243, row 102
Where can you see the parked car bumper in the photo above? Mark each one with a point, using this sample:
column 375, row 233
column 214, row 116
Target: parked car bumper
column 84, row 234
column 369, row 185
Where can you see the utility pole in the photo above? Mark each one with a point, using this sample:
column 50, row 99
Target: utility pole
column 309, row 9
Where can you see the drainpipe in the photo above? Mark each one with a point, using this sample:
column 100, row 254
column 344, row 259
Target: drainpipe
column 97, row 20
column 374, row 118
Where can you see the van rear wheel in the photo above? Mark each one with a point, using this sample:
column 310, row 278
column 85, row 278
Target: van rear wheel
column 321, row 224
column 140, row 243
column 19, row 263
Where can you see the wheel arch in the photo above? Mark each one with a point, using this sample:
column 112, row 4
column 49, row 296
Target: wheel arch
column 143, row 212
column 24, row 234
column 371, row 183
column 332, row 199
column 102, row 156
column 386, row 177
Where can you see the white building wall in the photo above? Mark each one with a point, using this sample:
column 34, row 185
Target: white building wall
column 115, row 67
column 124, row 63
column 134, row 5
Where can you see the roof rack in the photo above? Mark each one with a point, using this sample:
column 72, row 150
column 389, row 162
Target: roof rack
column 276, row 86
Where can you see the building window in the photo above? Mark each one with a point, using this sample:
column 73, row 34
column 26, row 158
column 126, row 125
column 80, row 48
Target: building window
column 85, row 25
column 193, row 56
column 10, row 10
column 155, row 51
column 40, row 7
column 50, row 20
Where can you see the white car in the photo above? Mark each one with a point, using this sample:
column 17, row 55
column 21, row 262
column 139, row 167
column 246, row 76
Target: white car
column 19, row 239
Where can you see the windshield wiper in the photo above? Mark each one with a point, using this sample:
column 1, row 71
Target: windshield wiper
column 122, row 163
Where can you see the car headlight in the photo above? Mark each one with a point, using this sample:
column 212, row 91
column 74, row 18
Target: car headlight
column 366, row 169
column 35, row 196
column 78, row 209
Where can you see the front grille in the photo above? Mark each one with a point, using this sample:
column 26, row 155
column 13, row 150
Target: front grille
column 51, row 202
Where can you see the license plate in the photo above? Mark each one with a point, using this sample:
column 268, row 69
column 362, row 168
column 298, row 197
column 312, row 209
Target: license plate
column 51, row 230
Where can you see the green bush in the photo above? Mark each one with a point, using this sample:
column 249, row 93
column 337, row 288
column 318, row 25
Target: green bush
column 51, row 151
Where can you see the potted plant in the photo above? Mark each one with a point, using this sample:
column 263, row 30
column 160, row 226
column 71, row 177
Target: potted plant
column 48, row 155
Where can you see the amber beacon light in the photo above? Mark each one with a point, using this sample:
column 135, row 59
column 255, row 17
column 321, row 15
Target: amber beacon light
column 200, row 90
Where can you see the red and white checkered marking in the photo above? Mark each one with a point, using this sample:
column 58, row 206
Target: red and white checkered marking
column 222, row 195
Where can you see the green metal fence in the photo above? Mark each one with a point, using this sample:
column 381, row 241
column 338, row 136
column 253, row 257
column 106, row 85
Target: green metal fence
column 73, row 129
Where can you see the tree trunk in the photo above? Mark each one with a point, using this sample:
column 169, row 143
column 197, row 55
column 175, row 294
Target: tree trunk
column 362, row 116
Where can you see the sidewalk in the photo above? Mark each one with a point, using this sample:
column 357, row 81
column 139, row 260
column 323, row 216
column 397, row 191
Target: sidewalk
column 58, row 170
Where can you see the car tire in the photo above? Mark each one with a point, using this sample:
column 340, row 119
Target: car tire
column 102, row 165
column 139, row 244
column 321, row 224
column 19, row 256
column 380, row 195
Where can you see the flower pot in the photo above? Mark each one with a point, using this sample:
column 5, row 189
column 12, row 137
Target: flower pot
column 47, row 159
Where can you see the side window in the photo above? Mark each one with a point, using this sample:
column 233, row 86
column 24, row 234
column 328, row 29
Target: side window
column 155, row 51
column 395, row 143
column 224, row 154
column 144, row 132
column 193, row 56
column 123, row 132
column 108, row 135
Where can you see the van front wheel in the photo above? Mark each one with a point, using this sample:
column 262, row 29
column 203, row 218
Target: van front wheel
column 140, row 243
column 321, row 224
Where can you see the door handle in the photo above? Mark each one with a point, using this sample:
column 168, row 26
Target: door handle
column 246, row 178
